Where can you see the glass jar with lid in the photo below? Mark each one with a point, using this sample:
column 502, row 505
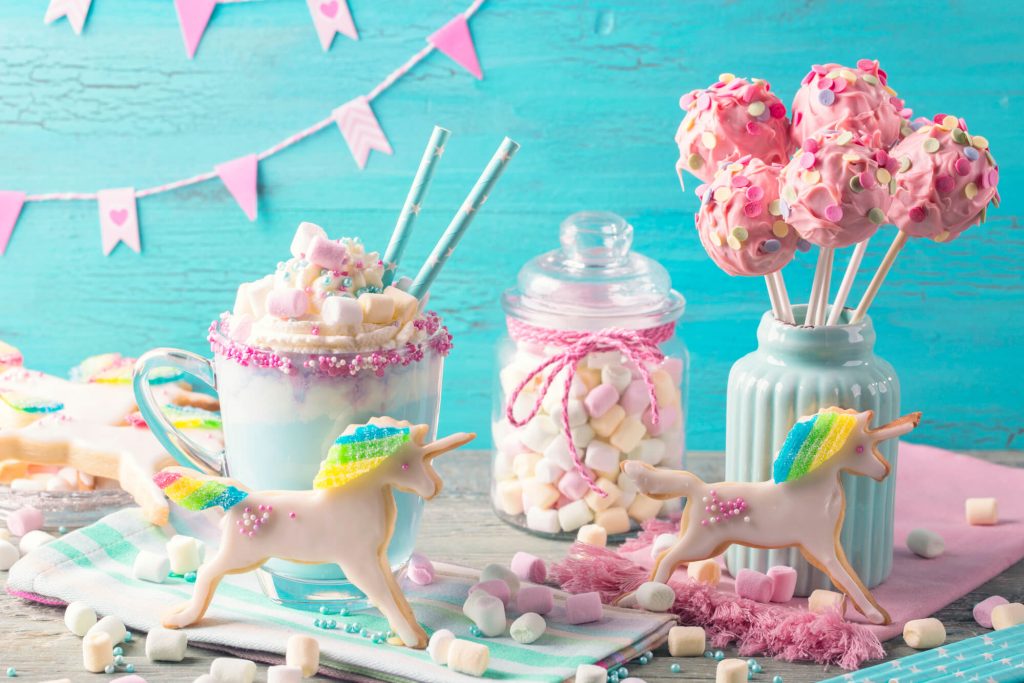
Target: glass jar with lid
column 592, row 372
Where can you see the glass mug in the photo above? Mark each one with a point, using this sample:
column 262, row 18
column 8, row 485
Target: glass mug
column 278, row 427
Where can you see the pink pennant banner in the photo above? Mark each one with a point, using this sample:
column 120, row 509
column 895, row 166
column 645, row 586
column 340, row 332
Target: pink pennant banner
column 119, row 220
column 193, row 16
column 455, row 40
column 331, row 17
column 10, row 208
column 239, row 176
column 76, row 12
column 361, row 130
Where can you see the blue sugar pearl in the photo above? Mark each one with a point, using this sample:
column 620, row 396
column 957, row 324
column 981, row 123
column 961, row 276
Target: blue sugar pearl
column 128, row 637
column 475, row 631
column 675, row 668
column 119, row 661
column 11, row 672
column 643, row 659
column 719, row 655
column 708, row 654
column 623, row 672
column 109, row 669
column 323, row 609
column 755, row 667
column 118, row 651
column 62, row 530
column 343, row 611
column 316, row 622
column 649, row 655
column 776, row 679
column 364, row 632
column 190, row 577
column 129, row 668
column 751, row 663
column 750, row 675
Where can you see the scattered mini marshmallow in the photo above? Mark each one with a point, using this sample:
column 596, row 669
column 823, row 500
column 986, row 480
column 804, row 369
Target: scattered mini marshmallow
column 821, row 601
column 59, row 680
column 654, row 596
column 731, row 671
column 437, row 646
column 783, row 582
column 754, row 585
column 97, row 651
column 529, row 567
column 495, row 587
column 686, row 641
column 983, row 610
column 539, row 599
column 232, row 670
column 32, row 540
column 662, row 543
column 925, row 543
column 79, row 618
column 981, row 511
column 24, row 520
column 183, row 552
column 206, row 678
column 527, row 628
column 284, row 674
column 592, row 534
column 303, row 652
column 497, row 571
column 1005, row 616
column 705, row 571
column 420, row 570
column 583, row 608
column 487, row 612
column 8, row 555
column 591, row 673
column 130, row 678
column 151, row 567
column 110, row 625
column 166, row 645
column 468, row 657
column 924, row 634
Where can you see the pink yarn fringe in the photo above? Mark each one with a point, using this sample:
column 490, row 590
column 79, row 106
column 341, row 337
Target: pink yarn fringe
column 757, row 628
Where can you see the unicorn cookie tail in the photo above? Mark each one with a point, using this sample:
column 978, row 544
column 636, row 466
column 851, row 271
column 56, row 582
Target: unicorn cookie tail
column 198, row 492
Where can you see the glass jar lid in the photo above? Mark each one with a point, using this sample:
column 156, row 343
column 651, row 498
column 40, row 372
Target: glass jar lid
column 594, row 280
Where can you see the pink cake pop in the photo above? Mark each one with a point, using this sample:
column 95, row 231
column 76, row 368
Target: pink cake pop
column 739, row 219
column 857, row 99
column 730, row 119
column 836, row 191
column 945, row 180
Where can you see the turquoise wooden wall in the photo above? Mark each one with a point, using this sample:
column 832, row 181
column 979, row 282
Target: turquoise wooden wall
column 591, row 91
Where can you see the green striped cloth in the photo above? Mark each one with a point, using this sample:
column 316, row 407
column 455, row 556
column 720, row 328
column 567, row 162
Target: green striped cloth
column 94, row 564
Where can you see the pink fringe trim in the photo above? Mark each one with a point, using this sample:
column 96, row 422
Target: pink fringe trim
column 757, row 628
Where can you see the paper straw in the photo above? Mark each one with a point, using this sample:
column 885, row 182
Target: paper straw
column 847, row 284
column 460, row 223
column 413, row 202
column 876, row 282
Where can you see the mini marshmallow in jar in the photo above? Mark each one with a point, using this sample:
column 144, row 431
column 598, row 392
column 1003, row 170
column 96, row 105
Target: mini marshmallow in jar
column 591, row 373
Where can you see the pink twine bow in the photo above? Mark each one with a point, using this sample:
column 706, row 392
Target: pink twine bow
column 639, row 346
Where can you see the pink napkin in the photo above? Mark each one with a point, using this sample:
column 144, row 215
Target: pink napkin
column 931, row 486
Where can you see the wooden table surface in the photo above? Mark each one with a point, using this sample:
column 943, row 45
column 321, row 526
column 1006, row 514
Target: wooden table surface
column 458, row 527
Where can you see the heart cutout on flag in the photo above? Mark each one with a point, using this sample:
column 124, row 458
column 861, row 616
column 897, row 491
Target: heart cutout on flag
column 329, row 9
column 119, row 216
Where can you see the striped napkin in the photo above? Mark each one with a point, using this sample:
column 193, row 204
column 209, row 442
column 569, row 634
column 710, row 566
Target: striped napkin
column 94, row 564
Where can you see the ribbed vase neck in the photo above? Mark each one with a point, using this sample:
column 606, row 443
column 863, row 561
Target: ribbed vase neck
column 827, row 345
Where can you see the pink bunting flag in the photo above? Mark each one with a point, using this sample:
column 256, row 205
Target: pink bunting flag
column 239, row 176
column 193, row 16
column 119, row 221
column 361, row 130
column 331, row 17
column 10, row 209
column 455, row 40
column 75, row 10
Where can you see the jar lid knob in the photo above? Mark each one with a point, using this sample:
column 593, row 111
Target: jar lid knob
column 595, row 238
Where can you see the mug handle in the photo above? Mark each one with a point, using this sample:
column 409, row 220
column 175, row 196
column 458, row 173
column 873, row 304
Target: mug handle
column 183, row 448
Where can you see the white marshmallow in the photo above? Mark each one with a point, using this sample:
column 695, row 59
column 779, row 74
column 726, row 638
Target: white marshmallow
column 467, row 657
column 377, row 308
column 582, row 435
column 5, row 534
column 981, row 511
column 592, row 534
column 1005, row 616
column 303, row 652
column 924, row 634
column 406, row 305
column 686, row 641
column 342, row 310
column 56, row 484
column 486, row 611
column 8, row 555
column 27, row 485
column 79, row 618
column 232, row 670
column 502, row 573
column 112, row 626
column 536, row 436
column 732, row 671
column 602, row 456
column 303, row 236
column 600, row 359
column 651, row 451
column 548, row 471
column 628, row 490
column 925, row 543
column 510, row 496
column 183, row 554
column 206, row 678
column 616, row 375
column 251, row 299
column 151, row 567
column 577, row 413
column 591, row 673
column 654, row 596
column 662, row 543
column 437, row 646
column 97, row 652
column 527, row 628
column 284, row 674
column 32, row 540
column 524, row 464
column 503, row 465
column 574, row 515
column 544, row 521
column 166, row 645
column 821, row 601
column 557, row 452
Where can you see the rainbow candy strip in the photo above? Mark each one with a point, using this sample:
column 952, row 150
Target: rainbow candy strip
column 189, row 417
column 354, row 455
column 24, row 403
column 198, row 494
column 113, row 368
column 810, row 443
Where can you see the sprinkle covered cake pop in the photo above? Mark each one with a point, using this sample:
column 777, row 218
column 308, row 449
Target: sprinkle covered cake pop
column 731, row 118
column 740, row 223
column 836, row 191
column 945, row 179
column 857, row 99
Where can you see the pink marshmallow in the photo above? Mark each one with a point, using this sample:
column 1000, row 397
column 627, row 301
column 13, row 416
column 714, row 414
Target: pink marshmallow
column 495, row 587
column 420, row 570
column 24, row 520
column 602, row 457
column 983, row 610
column 667, row 416
column 754, row 585
column 573, row 486
column 635, row 398
column 287, row 303
column 783, row 583
column 583, row 608
column 674, row 367
column 327, row 254
column 529, row 567
column 600, row 400
column 539, row 599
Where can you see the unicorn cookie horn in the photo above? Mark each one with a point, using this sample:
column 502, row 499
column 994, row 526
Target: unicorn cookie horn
column 354, row 483
column 803, row 506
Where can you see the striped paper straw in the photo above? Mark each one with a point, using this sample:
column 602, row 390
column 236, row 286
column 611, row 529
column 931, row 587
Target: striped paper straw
column 413, row 202
column 457, row 228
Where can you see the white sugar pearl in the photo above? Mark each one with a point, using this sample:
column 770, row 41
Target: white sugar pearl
column 527, row 628
column 303, row 652
column 151, row 567
column 112, row 626
column 183, row 552
column 8, row 555
column 79, row 618
column 231, row 670
column 166, row 645
column 437, row 646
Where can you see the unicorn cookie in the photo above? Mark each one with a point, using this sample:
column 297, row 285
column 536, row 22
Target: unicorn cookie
column 803, row 506
column 354, row 483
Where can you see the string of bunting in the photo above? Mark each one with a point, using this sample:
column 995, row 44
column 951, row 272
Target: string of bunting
column 119, row 220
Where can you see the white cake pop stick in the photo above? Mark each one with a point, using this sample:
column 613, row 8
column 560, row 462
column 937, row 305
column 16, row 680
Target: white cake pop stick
column 847, row 284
